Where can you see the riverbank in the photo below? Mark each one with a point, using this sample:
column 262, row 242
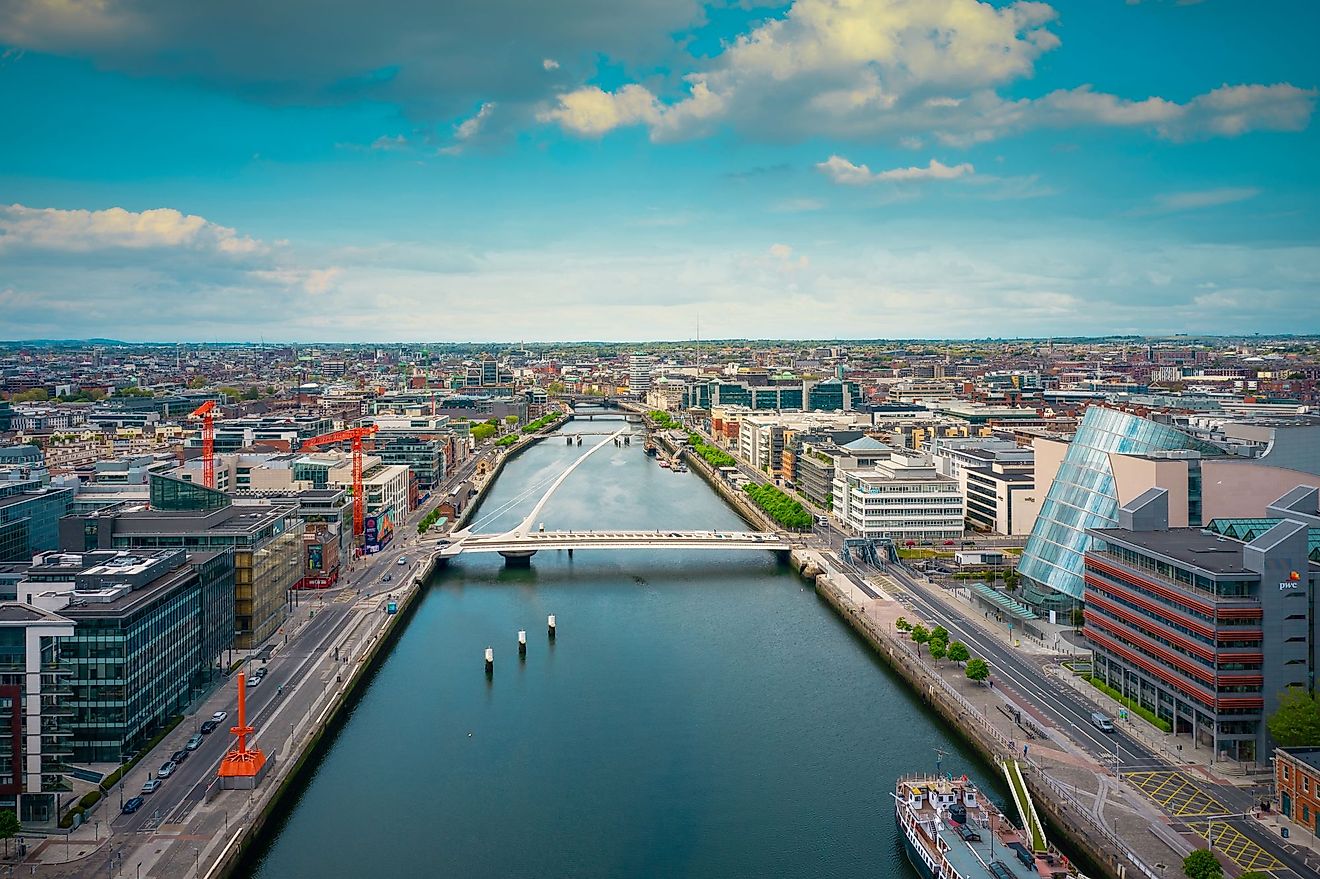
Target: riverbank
column 504, row 457
column 363, row 651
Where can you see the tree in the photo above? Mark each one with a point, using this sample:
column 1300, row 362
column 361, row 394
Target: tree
column 920, row 635
column 197, row 382
column 939, row 633
column 939, row 648
column 1202, row 864
column 9, row 828
column 977, row 670
column 902, row 624
column 958, row 652
column 511, row 419
column 36, row 395
column 1297, row 720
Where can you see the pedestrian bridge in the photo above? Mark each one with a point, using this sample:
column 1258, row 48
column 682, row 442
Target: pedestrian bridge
column 513, row 544
column 522, row 542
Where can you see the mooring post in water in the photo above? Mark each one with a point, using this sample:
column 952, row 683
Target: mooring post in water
column 550, row 624
column 522, row 643
column 490, row 660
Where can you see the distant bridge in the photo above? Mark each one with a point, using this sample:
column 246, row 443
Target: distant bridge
column 521, row 542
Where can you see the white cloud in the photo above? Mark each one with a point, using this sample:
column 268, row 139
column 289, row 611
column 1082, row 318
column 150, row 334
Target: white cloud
column 81, row 231
column 908, row 69
column 782, row 251
column 468, row 128
column 842, row 171
column 390, row 144
column 1170, row 202
column 549, row 64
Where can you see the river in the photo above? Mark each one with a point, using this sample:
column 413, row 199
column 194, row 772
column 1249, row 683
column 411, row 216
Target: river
column 701, row 713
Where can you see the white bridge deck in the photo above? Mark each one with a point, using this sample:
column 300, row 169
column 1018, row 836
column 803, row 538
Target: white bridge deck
column 514, row 542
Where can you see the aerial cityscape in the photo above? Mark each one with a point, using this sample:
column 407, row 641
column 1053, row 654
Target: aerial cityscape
column 824, row 438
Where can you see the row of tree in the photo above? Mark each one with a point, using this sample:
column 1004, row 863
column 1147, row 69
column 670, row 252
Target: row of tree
column 940, row 647
column 779, row 506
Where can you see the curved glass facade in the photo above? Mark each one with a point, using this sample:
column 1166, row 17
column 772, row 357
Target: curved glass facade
column 1083, row 496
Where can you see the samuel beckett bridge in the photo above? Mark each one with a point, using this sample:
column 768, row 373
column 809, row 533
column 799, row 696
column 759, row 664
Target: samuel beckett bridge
column 523, row 541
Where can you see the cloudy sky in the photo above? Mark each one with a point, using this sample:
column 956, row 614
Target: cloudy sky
column 590, row 169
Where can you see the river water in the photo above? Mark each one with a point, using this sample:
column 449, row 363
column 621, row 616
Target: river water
column 701, row 713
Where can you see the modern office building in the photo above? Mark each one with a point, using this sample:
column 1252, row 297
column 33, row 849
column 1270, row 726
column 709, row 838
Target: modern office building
column 901, row 497
column 266, row 539
column 1237, row 469
column 1082, row 496
column 1206, row 627
column 424, row 457
column 33, row 687
column 149, row 628
column 825, row 396
column 639, row 373
column 29, row 518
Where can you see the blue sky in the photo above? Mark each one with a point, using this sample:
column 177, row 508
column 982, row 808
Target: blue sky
column 405, row 170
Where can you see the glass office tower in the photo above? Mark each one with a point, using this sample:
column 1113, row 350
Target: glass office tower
column 1083, row 496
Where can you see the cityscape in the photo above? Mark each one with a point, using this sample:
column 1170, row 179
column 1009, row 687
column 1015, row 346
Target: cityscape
column 509, row 440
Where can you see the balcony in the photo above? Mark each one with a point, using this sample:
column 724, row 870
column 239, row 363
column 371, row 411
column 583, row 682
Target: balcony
column 56, row 668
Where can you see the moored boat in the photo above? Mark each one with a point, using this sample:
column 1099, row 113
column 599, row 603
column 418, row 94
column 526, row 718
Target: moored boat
column 951, row 831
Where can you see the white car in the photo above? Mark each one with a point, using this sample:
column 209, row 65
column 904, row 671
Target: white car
column 219, row 716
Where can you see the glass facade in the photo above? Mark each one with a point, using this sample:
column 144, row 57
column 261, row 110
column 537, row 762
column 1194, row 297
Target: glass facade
column 825, row 396
column 168, row 493
column 30, row 521
column 1083, row 496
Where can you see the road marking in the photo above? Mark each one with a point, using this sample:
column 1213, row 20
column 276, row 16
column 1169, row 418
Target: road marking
column 1177, row 792
column 1225, row 838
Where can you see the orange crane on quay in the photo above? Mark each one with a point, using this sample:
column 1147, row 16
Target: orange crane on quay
column 206, row 412
column 355, row 435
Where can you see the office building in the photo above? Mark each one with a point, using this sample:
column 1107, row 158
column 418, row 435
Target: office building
column 29, row 518
column 824, row 396
column 901, row 497
column 149, row 629
column 33, row 685
column 424, row 457
column 639, row 374
column 266, row 539
column 1206, row 627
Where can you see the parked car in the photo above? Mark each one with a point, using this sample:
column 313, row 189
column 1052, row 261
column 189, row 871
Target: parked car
column 194, row 742
column 255, row 680
column 167, row 769
column 152, row 785
column 219, row 716
column 132, row 804
column 179, row 756
column 209, row 727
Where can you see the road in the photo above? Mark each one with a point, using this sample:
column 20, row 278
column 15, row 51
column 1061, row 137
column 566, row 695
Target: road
column 1070, row 712
column 315, row 623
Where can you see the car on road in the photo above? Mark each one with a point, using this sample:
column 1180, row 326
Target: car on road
column 209, row 727
column 387, row 578
column 1101, row 722
column 403, row 560
column 194, row 742
column 179, row 756
column 132, row 804
column 255, row 680
column 167, row 769
column 152, row 785
column 219, row 716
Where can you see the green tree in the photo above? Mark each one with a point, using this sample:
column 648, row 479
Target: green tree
column 1202, row 864
column 1297, row 720
column 36, row 395
column 939, row 648
column 958, row 652
column 920, row 635
column 939, row 633
column 977, row 670
column 231, row 392
column 511, row 419
column 902, row 624
column 9, row 828
column 483, row 432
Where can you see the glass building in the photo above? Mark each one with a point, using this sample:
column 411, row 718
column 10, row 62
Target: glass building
column 826, row 396
column 1083, row 496
column 30, row 519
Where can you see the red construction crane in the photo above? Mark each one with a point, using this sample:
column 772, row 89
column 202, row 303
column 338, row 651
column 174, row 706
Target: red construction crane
column 206, row 412
column 356, row 435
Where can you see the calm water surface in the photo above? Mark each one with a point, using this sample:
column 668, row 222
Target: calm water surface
column 702, row 714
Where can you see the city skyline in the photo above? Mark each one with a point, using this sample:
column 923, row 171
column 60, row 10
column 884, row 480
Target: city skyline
column 817, row 169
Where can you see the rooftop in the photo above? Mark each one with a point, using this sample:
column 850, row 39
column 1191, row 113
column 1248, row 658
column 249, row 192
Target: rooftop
column 1191, row 547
